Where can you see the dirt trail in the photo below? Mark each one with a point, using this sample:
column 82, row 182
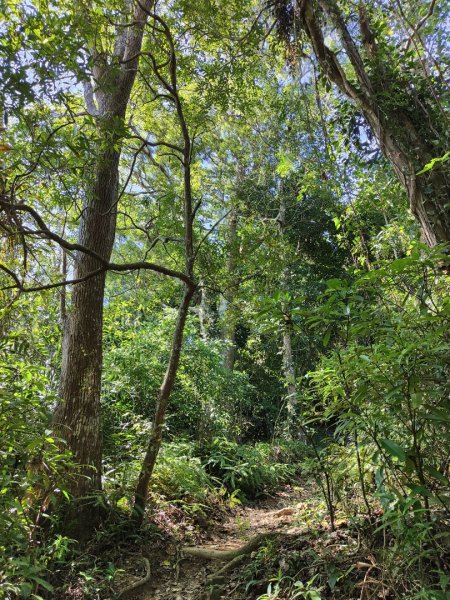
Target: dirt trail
column 182, row 577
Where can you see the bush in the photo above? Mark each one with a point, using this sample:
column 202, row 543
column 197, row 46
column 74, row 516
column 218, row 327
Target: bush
column 180, row 475
column 33, row 473
column 383, row 391
column 251, row 469
column 204, row 402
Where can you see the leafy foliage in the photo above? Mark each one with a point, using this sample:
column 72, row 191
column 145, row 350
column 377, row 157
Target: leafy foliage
column 299, row 232
column 251, row 470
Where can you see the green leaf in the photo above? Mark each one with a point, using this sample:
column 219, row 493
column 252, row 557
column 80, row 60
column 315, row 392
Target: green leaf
column 47, row 586
column 437, row 475
column 393, row 449
column 417, row 399
column 420, row 490
column 440, row 416
column 336, row 284
column 285, row 165
column 430, row 166
column 25, row 590
column 326, row 337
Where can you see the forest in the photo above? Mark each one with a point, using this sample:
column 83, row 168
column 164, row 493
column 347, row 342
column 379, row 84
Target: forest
column 224, row 299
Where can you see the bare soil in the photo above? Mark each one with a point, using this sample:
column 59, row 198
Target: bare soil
column 179, row 576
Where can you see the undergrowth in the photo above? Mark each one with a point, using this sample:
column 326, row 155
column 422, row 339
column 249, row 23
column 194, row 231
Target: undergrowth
column 191, row 486
column 251, row 470
column 361, row 560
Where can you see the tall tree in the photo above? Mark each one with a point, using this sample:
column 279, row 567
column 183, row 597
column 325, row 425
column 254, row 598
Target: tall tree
column 107, row 93
column 228, row 307
column 288, row 330
column 392, row 86
column 166, row 74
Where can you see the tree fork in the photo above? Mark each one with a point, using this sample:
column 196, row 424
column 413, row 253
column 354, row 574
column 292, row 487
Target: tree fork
column 401, row 144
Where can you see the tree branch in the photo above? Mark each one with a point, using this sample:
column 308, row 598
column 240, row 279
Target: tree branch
column 105, row 265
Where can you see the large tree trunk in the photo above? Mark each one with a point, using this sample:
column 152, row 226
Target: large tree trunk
column 396, row 127
column 77, row 417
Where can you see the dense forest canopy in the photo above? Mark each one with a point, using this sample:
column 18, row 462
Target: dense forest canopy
column 224, row 278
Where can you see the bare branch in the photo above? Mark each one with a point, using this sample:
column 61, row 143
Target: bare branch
column 105, row 265
column 208, row 233
column 421, row 23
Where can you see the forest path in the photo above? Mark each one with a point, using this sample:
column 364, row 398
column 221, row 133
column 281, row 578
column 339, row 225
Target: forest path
column 183, row 577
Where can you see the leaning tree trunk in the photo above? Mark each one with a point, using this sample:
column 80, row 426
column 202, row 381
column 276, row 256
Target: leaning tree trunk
column 77, row 417
column 405, row 131
column 165, row 391
column 154, row 445
column 170, row 85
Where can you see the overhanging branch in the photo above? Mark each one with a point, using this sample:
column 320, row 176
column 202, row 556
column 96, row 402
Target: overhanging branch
column 104, row 264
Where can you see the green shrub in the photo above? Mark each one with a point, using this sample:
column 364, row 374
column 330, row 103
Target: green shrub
column 251, row 469
column 383, row 391
column 33, row 473
column 180, row 475
column 205, row 399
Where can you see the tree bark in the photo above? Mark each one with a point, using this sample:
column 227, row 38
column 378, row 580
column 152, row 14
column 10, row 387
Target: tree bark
column 289, row 376
column 407, row 149
column 77, row 417
column 229, row 317
column 162, row 402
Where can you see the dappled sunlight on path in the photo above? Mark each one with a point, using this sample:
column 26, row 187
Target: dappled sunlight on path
column 181, row 576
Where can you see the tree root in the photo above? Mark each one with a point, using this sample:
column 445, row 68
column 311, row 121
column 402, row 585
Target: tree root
column 137, row 584
column 227, row 555
column 233, row 558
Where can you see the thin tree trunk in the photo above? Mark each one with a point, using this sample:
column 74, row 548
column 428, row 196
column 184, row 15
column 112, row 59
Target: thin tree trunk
column 289, row 376
column 162, row 402
column 165, row 391
column 294, row 428
column 229, row 323
column 288, row 359
column 203, row 313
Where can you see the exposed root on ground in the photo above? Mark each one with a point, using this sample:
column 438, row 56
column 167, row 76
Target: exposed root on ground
column 204, row 571
column 137, row 584
column 232, row 558
column 227, row 555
